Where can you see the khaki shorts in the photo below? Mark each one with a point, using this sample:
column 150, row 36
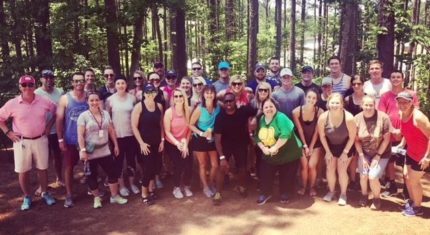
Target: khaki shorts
column 28, row 152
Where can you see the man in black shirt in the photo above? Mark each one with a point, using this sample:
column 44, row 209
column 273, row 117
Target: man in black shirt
column 231, row 139
column 306, row 83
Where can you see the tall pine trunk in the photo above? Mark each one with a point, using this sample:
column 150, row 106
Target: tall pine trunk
column 293, row 36
column 385, row 41
column 42, row 33
column 349, row 35
column 112, row 35
column 278, row 23
column 253, row 31
column 136, row 56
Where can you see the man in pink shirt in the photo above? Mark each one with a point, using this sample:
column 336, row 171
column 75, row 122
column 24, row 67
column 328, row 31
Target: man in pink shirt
column 29, row 135
column 388, row 105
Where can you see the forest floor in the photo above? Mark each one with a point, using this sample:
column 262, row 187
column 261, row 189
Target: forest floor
column 197, row 215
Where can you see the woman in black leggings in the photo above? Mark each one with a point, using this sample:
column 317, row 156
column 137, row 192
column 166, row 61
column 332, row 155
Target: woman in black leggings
column 147, row 124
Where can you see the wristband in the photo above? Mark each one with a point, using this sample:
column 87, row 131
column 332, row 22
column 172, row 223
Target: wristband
column 60, row 140
column 162, row 139
column 345, row 152
column 222, row 157
column 305, row 146
column 361, row 154
column 427, row 159
column 201, row 133
column 83, row 150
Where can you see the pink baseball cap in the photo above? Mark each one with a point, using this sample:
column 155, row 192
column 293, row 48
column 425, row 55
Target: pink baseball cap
column 27, row 79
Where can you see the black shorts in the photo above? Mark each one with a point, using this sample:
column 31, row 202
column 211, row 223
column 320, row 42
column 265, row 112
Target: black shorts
column 414, row 165
column 240, row 154
column 53, row 144
column 201, row 144
column 337, row 150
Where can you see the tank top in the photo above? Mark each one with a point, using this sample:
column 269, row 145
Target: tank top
column 149, row 125
column 309, row 127
column 416, row 140
column 121, row 114
column 178, row 126
column 336, row 135
column 73, row 110
column 354, row 109
column 339, row 87
column 206, row 119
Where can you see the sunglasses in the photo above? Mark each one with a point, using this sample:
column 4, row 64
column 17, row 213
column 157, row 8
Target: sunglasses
column 223, row 69
column 154, row 80
column 236, row 84
column 138, row 78
column 27, row 84
column 197, row 84
column 260, row 71
column 357, row 84
column 108, row 75
column 197, row 68
column 170, row 77
column 79, row 81
column 263, row 90
column 178, row 96
column 228, row 101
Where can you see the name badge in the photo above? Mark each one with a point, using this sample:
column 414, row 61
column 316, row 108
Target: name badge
column 101, row 133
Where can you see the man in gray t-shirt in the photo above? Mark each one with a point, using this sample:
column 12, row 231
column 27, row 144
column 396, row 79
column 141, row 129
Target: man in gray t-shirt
column 223, row 81
column 288, row 96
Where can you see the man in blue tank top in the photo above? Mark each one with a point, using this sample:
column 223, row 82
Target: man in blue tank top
column 70, row 106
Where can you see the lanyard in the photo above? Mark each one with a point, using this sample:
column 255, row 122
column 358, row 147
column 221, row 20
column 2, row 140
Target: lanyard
column 100, row 125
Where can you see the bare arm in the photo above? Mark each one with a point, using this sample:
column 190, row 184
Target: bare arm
column 296, row 115
column 167, row 120
column 135, row 114
column 321, row 132
column 59, row 120
column 194, row 117
column 352, row 131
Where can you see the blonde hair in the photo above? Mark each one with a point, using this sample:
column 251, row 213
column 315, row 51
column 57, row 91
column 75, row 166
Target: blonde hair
column 237, row 77
column 335, row 95
column 263, row 85
column 185, row 107
column 376, row 62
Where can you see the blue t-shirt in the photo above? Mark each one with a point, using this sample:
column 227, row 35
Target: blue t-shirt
column 288, row 100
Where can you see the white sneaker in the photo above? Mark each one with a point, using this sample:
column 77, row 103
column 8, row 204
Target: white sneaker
column 208, row 192
column 135, row 189
column 118, row 200
column 328, row 197
column 124, row 192
column 187, row 191
column 97, row 202
column 342, row 200
column 177, row 193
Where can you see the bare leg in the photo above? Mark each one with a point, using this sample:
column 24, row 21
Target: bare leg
column 342, row 168
column 202, row 159
column 43, row 179
column 414, row 186
column 312, row 173
column 213, row 157
column 23, row 182
column 331, row 174
column 68, row 176
column 304, row 174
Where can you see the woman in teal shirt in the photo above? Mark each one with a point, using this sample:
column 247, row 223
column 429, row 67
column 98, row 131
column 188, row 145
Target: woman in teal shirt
column 281, row 152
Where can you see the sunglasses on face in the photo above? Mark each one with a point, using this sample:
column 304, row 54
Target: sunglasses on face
column 196, row 68
column 108, row 75
column 236, row 84
column 170, row 77
column 27, row 84
column 178, row 96
column 138, row 78
column 260, row 71
column 197, row 84
column 223, row 69
column 263, row 90
column 228, row 101
column 357, row 84
column 79, row 81
column 154, row 80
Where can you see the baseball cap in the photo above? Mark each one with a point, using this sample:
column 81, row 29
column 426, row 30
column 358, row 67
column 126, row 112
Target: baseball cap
column 306, row 69
column 27, row 79
column 149, row 88
column 259, row 66
column 171, row 73
column 405, row 95
column 326, row 81
column 158, row 64
column 48, row 73
column 286, row 71
column 224, row 65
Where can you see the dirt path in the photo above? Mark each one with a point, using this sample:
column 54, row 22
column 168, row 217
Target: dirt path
column 197, row 215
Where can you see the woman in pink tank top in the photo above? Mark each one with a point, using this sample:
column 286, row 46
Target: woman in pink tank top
column 176, row 127
column 415, row 128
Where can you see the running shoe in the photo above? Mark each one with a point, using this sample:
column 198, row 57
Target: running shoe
column 68, row 203
column 177, row 193
column 217, row 199
column 118, row 200
column 26, row 203
column 158, row 183
column 376, row 205
column 98, row 202
column 124, row 192
column 208, row 192
column 284, row 198
column 363, row 200
column 135, row 189
column 47, row 197
column 262, row 199
column 328, row 197
column 342, row 200
column 413, row 211
column 187, row 191
column 153, row 196
column 147, row 201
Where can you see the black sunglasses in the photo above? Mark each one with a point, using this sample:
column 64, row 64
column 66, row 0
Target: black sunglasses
column 197, row 84
column 178, row 96
column 263, row 90
column 108, row 75
column 170, row 77
column 79, row 81
column 223, row 69
column 27, row 84
column 236, row 83
column 138, row 78
column 197, row 68
column 228, row 101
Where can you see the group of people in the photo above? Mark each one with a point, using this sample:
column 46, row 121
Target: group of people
column 346, row 124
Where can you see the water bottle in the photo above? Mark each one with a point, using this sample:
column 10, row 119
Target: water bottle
column 399, row 151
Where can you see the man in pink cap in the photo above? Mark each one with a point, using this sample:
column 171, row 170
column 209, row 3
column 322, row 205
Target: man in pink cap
column 29, row 135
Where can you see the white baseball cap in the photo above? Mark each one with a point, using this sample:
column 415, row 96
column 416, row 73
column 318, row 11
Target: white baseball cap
column 286, row 71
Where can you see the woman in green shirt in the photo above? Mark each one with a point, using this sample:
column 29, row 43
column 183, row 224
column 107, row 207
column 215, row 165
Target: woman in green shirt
column 281, row 152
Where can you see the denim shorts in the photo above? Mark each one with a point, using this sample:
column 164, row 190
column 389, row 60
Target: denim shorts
column 373, row 172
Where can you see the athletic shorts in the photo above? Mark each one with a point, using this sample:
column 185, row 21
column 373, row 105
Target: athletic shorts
column 373, row 172
column 415, row 165
column 31, row 152
column 54, row 146
column 201, row 144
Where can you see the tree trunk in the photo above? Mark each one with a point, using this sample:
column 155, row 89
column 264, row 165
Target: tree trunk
column 349, row 35
column 165, row 35
column 4, row 31
column 278, row 23
column 302, row 33
column 385, row 41
column 180, row 49
column 213, row 28
column 284, row 37
column 230, row 20
column 112, row 35
column 42, row 33
column 412, row 45
column 319, row 39
column 293, row 37
column 136, row 56
column 253, row 31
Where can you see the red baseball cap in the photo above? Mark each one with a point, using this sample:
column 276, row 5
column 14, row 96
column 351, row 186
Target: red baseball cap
column 27, row 79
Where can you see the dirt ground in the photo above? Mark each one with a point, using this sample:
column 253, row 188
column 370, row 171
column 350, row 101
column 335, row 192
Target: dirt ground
column 197, row 215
